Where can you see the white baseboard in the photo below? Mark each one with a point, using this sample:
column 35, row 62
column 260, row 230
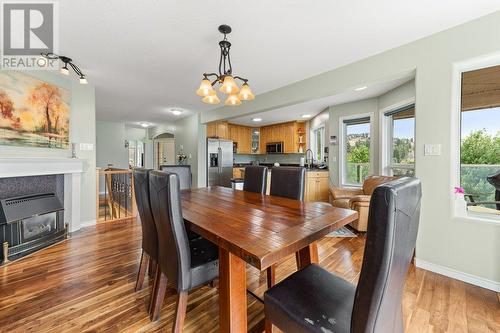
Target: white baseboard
column 88, row 223
column 454, row 274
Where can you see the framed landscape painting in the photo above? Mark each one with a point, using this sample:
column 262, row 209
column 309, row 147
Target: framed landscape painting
column 33, row 113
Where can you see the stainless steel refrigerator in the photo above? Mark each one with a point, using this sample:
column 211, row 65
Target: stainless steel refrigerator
column 219, row 162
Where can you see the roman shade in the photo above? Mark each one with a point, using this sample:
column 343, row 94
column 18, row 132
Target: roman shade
column 481, row 89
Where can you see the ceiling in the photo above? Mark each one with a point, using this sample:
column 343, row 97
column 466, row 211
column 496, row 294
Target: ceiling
column 312, row 108
column 146, row 57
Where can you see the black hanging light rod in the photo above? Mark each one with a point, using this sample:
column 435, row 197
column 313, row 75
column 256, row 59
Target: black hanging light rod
column 66, row 62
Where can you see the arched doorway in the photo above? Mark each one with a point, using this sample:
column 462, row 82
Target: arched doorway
column 163, row 150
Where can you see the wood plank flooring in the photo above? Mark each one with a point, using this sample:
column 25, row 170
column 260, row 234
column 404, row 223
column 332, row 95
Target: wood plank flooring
column 86, row 284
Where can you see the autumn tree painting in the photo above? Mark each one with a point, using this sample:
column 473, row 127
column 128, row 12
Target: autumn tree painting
column 33, row 112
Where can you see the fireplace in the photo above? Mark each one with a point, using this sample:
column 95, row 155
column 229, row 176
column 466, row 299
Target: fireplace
column 29, row 223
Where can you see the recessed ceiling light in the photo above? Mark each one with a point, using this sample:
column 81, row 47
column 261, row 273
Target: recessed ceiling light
column 257, row 119
column 306, row 116
column 361, row 88
column 145, row 125
column 176, row 112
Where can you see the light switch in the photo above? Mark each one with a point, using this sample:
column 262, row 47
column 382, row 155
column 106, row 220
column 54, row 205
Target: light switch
column 432, row 149
column 86, row 146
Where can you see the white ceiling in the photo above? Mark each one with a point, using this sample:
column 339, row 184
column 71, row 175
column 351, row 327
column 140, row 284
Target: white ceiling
column 147, row 56
column 294, row 112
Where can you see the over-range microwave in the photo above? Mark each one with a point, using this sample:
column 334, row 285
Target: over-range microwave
column 274, row 148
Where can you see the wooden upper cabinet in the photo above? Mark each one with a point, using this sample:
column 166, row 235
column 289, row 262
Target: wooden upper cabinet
column 242, row 135
column 290, row 138
column 218, row 129
column 288, row 133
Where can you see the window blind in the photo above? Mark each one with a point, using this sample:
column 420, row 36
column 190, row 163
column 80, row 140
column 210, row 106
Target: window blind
column 481, row 89
column 357, row 121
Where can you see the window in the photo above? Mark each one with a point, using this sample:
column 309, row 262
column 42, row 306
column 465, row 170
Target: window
column 356, row 145
column 480, row 139
column 319, row 143
column 400, row 142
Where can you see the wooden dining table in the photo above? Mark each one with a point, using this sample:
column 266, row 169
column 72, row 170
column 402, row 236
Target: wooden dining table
column 257, row 229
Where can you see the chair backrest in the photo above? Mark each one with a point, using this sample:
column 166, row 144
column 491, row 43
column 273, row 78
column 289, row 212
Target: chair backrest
column 184, row 173
column 141, row 191
column 390, row 241
column 255, row 179
column 288, row 182
column 371, row 182
column 174, row 257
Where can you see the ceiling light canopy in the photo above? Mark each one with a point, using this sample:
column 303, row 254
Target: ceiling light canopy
column 256, row 119
column 224, row 78
column 66, row 62
column 306, row 116
column 360, row 88
column 145, row 125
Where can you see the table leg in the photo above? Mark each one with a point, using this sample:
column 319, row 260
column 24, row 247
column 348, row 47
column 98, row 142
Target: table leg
column 308, row 255
column 232, row 293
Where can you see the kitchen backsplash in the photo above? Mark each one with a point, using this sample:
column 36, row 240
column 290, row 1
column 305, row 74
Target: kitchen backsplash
column 268, row 158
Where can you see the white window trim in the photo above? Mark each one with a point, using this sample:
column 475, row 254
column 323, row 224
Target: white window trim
column 342, row 150
column 315, row 142
column 386, row 134
column 489, row 60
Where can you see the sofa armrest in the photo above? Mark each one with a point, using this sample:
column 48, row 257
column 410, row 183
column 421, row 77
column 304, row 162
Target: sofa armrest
column 345, row 192
column 360, row 200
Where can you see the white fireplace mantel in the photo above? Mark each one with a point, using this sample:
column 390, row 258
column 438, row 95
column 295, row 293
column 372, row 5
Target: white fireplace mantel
column 38, row 166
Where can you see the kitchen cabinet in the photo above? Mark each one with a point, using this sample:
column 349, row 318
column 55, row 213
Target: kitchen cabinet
column 317, row 186
column 289, row 133
column 242, row 135
column 218, row 129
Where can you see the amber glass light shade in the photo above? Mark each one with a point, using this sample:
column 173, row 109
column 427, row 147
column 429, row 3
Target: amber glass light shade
column 246, row 93
column 205, row 88
column 229, row 85
column 211, row 99
column 232, row 100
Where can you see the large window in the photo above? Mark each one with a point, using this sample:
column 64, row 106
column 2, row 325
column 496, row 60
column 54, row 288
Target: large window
column 356, row 157
column 400, row 141
column 318, row 144
column 480, row 139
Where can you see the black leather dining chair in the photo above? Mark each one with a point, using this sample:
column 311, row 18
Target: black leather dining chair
column 149, row 256
column 185, row 181
column 288, row 182
column 255, row 179
column 184, row 173
column 314, row 300
column 183, row 263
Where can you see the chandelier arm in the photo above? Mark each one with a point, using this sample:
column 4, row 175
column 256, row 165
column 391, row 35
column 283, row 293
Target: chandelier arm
column 230, row 71
column 220, row 63
column 242, row 79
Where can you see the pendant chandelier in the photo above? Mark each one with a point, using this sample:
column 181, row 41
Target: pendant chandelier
column 225, row 78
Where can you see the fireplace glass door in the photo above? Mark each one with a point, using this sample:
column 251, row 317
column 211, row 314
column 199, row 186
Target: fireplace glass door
column 38, row 226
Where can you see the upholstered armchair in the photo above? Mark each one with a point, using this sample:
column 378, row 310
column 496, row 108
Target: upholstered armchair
column 357, row 198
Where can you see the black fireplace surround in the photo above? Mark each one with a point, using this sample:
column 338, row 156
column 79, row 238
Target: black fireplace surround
column 32, row 220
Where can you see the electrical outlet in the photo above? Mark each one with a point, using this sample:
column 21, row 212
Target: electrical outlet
column 432, row 149
column 86, row 146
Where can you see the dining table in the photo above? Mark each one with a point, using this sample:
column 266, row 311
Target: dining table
column 257, row 229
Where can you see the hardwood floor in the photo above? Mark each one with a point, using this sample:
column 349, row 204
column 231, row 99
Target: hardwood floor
column 86, row 284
